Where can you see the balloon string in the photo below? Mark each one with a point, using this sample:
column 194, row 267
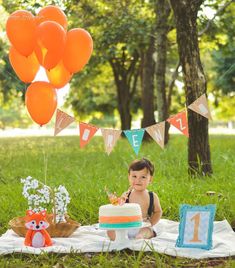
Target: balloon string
column 45, row 158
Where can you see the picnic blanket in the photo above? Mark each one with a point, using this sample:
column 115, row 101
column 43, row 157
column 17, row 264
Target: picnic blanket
column 91, row 239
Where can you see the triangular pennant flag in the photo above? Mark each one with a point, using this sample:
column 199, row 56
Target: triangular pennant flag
column 157, row 132
column 180, row 121
column 200, row 106
column 62, row 121
column 86, row 133
column 135, row 138
column 110, row 138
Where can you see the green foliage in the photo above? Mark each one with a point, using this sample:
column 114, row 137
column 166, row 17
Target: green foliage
column 225, row 67
column 120, row 28
column 226, row 108
column 85, row 173
column 92, row 93
column 9, row 83
column 13, row 113
column 219, row 42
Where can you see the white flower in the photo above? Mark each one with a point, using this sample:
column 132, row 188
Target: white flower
column 38, row 195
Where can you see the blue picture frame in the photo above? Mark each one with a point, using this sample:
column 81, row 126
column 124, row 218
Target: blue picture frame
column 199, row 233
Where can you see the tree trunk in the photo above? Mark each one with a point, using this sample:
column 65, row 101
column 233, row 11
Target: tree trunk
column 147, row 85
column 124, row 104
column 162, row 28
column 126, row 80
column 195, row 84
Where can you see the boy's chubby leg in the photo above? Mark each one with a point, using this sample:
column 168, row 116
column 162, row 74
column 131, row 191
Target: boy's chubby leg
column 145, row 233
column 111, row 235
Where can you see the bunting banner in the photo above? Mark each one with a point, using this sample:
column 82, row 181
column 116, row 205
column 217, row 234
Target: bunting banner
column 200, row 106
column 63, row 120
column 135, row 138
column 86, row 133
column 110, row 136
column 180, row 121
column 157, row 132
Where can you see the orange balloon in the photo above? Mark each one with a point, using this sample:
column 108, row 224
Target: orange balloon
column 59, row 76
column 50, row 44
column 21, row 31
column 52, row 13
column 25, row 68
column 78, row 49
column 41, row 101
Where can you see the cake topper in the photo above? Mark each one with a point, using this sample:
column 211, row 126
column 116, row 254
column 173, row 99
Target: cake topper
column 115, row 200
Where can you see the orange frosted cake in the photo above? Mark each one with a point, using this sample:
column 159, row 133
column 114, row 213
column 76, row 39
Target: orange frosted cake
column 120, row 216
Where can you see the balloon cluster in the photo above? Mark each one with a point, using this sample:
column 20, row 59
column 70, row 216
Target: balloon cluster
column 43, row 40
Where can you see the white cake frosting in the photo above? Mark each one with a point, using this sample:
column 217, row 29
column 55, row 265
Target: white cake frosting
column 120, row 216
column 129, row 209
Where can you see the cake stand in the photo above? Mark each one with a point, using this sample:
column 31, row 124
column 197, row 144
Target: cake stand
column 122, row 233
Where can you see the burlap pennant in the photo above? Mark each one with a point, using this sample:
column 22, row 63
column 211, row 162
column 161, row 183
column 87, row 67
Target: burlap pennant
column 157, row 132
column 135, row 138
column 201, row 107
column 62, row 121
column 110, row 136
column 86, row 133
column 180, row 121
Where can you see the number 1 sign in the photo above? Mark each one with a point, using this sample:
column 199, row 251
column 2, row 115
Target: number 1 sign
column 196, row 226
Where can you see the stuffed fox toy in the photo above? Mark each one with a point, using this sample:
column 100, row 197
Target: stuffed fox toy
column 36, row 235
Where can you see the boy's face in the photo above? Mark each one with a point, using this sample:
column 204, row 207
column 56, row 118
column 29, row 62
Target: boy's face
column 139, row 179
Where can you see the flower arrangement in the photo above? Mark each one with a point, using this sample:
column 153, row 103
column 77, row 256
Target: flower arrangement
column 39, row 196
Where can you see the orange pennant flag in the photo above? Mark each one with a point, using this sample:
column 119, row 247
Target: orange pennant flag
column 110, row 138
column 62, row 121
column 180, row 121
column 200, row 106
column 86, row 133
column 157, row 132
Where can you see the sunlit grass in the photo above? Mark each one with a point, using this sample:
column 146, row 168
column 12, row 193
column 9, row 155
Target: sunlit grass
column 85, row 172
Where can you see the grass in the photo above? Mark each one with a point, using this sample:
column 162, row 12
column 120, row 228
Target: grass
column 85, row 172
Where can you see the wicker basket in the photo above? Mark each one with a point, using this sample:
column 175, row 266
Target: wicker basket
column 63, row 229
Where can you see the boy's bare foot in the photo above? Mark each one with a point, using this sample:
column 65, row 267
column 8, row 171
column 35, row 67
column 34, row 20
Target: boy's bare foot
column 111, row 235
column 145, row 233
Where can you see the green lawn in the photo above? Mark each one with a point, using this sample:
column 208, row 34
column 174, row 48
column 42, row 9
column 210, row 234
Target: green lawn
column 85, row 172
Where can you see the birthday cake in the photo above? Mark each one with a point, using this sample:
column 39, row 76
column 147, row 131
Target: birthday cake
column 120, row 216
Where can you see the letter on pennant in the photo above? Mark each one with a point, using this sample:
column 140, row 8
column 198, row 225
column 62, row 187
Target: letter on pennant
column 110, row 136
column 135, row 138
column 157, row 132
column 180, row 122
column 201, row 107
column 62, row 121
column 86, row 133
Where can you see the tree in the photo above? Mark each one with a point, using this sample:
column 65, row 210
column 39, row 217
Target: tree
column 162, row 10
column 224, row 54
column 119, row 29
column 147, row 84
column 185, row 13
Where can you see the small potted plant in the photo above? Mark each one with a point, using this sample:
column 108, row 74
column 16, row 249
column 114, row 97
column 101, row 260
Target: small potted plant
column 40, row 197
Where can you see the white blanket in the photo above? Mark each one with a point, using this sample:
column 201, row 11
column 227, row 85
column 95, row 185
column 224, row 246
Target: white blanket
column 91, row 239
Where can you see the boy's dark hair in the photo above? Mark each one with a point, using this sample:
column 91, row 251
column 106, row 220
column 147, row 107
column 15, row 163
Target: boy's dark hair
column 137, row 165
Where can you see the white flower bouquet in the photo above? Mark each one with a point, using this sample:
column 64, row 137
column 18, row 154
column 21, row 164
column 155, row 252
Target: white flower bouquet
column 40, row 197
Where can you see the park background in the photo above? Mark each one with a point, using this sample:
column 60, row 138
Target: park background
column 133, row 79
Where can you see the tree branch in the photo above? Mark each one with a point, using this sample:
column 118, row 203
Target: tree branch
column 171, row 84
column 175, row 73
column 136, row 75
column 131, row 69
column 216, row 14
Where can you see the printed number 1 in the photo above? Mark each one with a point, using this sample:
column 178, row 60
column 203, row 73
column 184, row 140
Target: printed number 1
column 196, row 219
